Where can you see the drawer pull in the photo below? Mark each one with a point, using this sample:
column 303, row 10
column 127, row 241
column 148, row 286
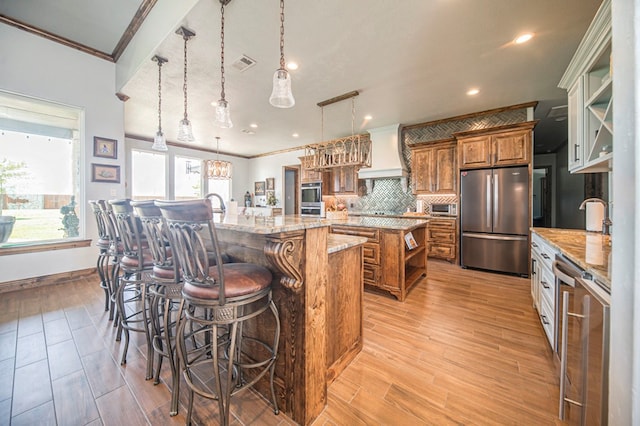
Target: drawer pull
column 545, row 255
column 545, row 321
column 545, row 285
column 534, row 244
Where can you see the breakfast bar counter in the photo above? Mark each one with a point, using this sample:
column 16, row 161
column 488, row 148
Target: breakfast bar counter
column 311, row 294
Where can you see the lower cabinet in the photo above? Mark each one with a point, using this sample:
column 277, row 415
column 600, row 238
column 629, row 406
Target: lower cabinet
column 442, row 238
column 389, row 264
column 543, row 286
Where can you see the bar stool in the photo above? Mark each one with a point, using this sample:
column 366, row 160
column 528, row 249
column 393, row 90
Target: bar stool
column 218, row 300
column 132, row 276
column 113, row 256
column 165, row 290
column 103, row 244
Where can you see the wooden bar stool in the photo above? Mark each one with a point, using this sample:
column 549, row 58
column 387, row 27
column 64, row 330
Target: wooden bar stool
column 218, row 300
column 132, row 275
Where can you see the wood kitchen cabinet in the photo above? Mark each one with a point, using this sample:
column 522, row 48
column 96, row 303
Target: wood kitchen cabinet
column 442, row 238
column 344, row 180
column 388, row 264
column 495, row 147
column 434, row 167
column 309, row 175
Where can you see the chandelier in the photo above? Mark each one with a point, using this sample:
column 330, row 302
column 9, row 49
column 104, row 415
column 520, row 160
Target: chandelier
column 281, row 96
column 159, row 141
column 354, row 150
column 223, row 114
column 185, row 132
column 218, row 169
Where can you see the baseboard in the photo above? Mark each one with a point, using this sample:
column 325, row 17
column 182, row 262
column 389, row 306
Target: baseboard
column 45, row 280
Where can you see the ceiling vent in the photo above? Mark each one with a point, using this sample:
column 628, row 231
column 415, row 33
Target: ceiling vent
column 558, row 113
column 243, row 63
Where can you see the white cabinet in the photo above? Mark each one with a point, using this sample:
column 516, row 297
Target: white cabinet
column 543, row 285
column 588, row 81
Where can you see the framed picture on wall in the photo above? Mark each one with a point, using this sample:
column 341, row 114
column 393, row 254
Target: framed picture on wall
column 259, row 188
column 271, row 183
column 105, row 173
column 106, row 148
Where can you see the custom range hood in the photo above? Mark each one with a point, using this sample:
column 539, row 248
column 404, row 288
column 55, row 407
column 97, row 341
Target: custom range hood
column 386, row 155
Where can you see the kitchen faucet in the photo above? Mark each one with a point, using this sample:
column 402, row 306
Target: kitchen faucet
column 606, row 222
column 222, row 208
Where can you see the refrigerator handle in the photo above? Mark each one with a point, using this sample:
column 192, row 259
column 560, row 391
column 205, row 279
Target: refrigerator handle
column 496, row 202
column 488, row 195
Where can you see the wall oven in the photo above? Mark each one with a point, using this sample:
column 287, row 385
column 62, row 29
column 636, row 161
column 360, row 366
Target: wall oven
column 311, row 199
column 583, row 346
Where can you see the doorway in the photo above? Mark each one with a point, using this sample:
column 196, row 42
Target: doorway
column 291, row 185
column 542, row 196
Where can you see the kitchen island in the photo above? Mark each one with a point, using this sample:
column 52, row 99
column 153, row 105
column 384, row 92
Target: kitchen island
column 395, row 254
column 317, row 287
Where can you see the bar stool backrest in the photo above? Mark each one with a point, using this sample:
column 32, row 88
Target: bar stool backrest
column 195, row 243
column 111, row 227
column 129, row 230
column 157, row 234
column 102, row 227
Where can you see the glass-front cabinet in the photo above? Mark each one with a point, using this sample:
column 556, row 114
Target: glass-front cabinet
column 588, row 81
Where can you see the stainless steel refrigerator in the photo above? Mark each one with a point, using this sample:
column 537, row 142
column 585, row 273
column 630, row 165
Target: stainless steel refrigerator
column 494, row 217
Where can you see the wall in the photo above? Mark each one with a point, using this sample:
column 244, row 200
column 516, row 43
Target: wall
column 261, row 168
column 33, row 66
column 569, row 195
column 544, row 160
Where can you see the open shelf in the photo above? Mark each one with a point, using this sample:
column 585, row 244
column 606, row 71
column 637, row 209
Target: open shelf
column 412, row 274
column 408, row 254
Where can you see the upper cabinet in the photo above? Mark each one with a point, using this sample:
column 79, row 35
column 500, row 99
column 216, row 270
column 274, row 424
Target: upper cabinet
column 344, row 180
column 495, row 147
column 588, row 81
column 309, row 175
column 433, row 167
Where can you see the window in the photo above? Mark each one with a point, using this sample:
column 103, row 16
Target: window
column 40, row 175
column 148, row 176
column 220, row 187
column 187, row 178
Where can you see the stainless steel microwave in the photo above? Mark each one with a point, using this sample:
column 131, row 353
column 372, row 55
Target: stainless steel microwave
column 449, row 209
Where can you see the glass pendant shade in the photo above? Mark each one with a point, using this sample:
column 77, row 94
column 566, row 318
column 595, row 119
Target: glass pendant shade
column 223, row 115
column 281, row 96
column 185, row 133
column 159, row 142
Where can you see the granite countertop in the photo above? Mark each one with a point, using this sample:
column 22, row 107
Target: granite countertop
column 408, row 215
column 338, row 242
column 589, row 250
column 267, row 225
column 380, row 222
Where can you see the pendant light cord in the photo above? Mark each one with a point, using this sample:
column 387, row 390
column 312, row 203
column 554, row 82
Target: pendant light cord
column 184, row 86
column 159, row 96
column 282, row 34
column 222, row 51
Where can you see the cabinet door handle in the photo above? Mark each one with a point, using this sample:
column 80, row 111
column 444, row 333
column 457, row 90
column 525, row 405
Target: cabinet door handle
column 533, row 266
column 575, row 152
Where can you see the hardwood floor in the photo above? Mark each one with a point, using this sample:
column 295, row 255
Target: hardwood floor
column 464, row 348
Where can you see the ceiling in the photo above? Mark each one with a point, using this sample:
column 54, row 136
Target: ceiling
column 412, row 62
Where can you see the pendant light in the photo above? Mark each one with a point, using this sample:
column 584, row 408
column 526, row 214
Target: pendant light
column 223, row 114
column 185, row 132
column 281, row 96
column 159, row 141
column 217, row 169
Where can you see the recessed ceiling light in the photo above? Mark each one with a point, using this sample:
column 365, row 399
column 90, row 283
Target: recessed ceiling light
column 295, row 135
column 523, row 38
column 253, row 125
column 473, row 92
column 292, row 66
column 368, row 117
